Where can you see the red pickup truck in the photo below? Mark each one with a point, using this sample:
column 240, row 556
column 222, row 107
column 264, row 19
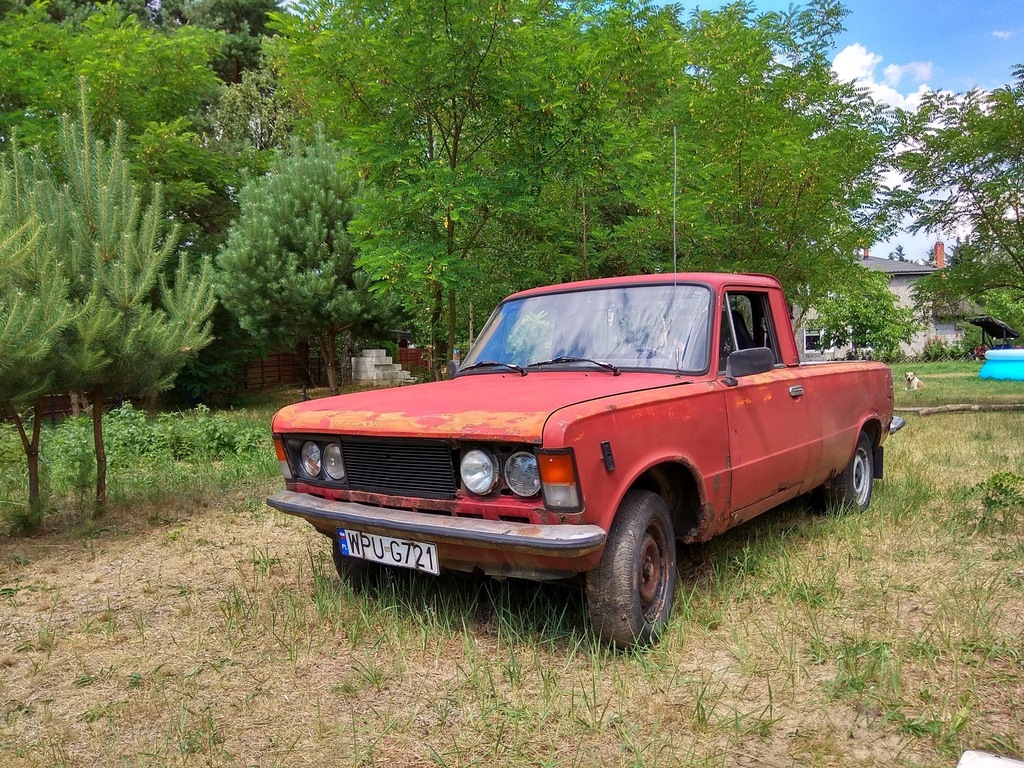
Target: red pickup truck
column 591, row 428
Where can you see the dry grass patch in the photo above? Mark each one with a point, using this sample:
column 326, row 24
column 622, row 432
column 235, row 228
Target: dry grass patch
column 223, row 637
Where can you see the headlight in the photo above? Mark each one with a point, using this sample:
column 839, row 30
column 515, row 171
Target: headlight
column 333, row 464
column 521, row 474
column 309, row 457
column 479, row 470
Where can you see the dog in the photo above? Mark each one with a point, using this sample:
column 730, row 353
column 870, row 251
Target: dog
column 913, row 382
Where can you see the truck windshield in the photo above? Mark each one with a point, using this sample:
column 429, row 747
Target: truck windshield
column 659, row 326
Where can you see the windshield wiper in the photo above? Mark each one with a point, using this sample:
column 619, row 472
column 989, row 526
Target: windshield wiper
column 567, row 359
column 494, row 364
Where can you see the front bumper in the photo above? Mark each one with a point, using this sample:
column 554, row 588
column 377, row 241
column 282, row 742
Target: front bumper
column 495, row 547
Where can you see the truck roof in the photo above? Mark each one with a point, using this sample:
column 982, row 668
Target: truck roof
column 713, row 279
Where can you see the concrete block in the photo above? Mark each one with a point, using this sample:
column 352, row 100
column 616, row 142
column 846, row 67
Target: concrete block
column 973, row 759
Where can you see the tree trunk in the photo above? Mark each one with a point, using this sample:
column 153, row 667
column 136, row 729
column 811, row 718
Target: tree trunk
column 152, row 404
column 332, row 373
column 451, row 322
column 79, row 403
column 101, row 454
column 961, row 408
column 31, row 448
column 586, row 228
column 444, row 348
column 439, row 354
column 346, row 358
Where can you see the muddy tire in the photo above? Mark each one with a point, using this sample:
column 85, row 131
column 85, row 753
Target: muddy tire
column 630, row 592
column 851, row 489
column 359, row 574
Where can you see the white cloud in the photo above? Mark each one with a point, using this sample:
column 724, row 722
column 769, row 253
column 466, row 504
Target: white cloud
column 854, row 62
column 857, row 64
column 1002, row 34
column 915, row 71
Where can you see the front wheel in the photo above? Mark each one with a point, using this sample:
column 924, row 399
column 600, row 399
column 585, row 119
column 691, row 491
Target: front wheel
column 852, row 487
column 630, row 592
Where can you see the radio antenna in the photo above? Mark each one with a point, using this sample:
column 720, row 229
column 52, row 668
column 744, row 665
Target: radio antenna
column 675, row 181
column 675, row 255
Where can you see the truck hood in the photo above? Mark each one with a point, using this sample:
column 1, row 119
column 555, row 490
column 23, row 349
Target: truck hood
column 482, row 407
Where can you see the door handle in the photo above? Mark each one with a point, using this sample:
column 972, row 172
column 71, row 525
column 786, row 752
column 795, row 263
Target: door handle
column 796, row 390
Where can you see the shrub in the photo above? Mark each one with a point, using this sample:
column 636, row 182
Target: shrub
column 896, row 356
column 197, row 434
column 998, row 505
column 131, row 439
column 938, row 348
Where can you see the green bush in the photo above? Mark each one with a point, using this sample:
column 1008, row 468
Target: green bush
column 896, row 356
column 194, row 435
column 149, row 458
column 998, row 506
column 938, row 348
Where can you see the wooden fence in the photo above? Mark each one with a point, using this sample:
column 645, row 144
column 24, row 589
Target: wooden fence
column 283, row 368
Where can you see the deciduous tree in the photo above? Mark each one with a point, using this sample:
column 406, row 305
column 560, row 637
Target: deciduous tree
column 242, row 22
column 534, row 142
column 778, row 161
column 863, row 311
column 158, row 84
column 430, row 97
column 137, row 75
column 965, row 166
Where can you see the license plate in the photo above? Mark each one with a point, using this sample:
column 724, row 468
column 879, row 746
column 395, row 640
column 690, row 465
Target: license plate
column 418, row 555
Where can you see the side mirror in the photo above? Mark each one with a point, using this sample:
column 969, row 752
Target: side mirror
column 745, row 362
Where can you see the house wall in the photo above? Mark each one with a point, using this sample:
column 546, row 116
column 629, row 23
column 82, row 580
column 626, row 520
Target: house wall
column 903, row 287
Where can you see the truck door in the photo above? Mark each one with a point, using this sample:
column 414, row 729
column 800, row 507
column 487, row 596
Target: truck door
column 774, row 425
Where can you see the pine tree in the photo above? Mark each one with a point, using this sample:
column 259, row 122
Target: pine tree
column 133, row 327
column 288, row 269
column 34, row 308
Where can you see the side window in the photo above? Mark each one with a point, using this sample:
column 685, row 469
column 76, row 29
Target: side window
column 746, row 323
column 812, row 340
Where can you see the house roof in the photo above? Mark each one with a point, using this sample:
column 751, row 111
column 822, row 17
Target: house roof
column 892, row 267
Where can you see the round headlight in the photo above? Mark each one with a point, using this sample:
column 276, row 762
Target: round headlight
column 522, row 475
column 333, row 464
column 479, row 470
column 310, row 458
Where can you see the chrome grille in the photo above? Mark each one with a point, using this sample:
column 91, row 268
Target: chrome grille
column 402, row 468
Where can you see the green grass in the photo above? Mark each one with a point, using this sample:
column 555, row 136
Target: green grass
column 194, row 626
column 953, row 382
column 172, row 461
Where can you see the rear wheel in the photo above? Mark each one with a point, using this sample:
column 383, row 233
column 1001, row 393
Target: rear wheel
column 359, row 574
column 852, row 488
column 630, row 592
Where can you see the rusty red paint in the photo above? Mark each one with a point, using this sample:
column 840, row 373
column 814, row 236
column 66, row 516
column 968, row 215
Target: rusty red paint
column 484, row 407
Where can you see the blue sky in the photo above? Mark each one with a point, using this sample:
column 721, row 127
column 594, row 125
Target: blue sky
column 902, row 48
column 965, row 44
column 951, row 45
column 899, row 49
